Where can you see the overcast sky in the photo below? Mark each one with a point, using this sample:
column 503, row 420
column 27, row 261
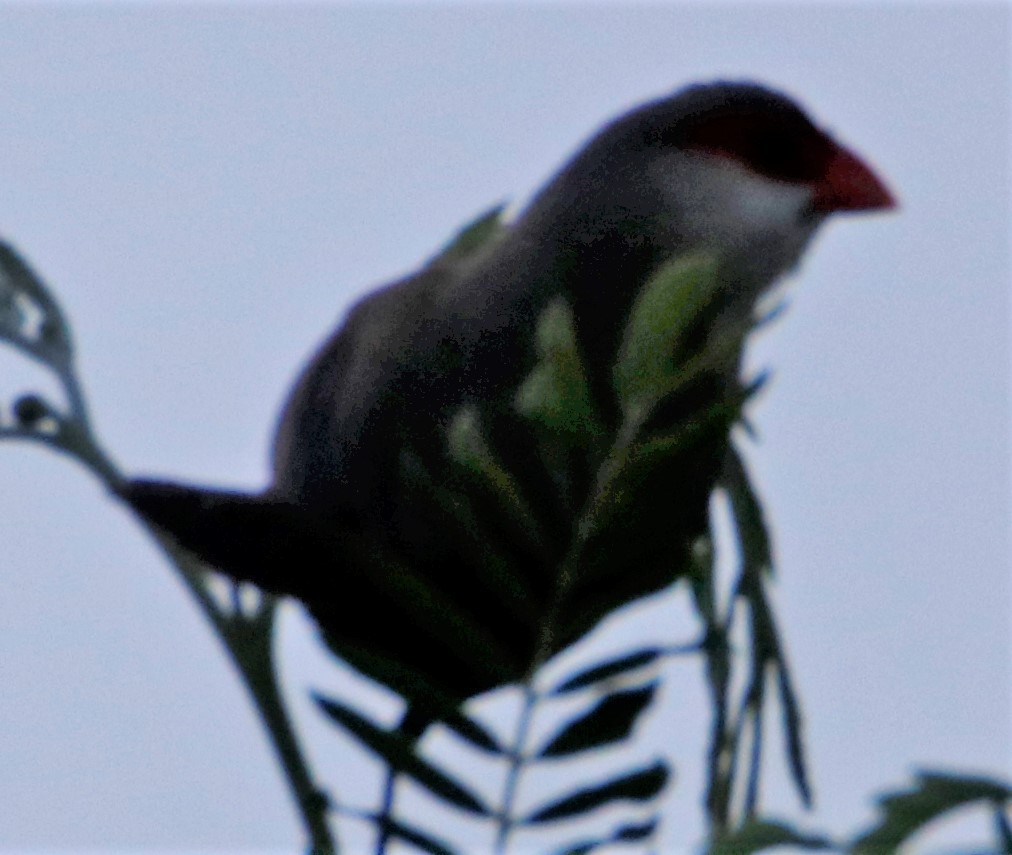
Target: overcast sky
column 207, row 188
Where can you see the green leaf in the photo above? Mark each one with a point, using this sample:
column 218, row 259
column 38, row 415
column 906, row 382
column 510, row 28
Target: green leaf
column 609, row 669
column 473, row 236
column 556, row 393
column 626, row 470
column 757, row 835
column 664, row 311
column 398, row 752
column 906, row 812
column 610, row 720
column 435, row 613
column 468, row 447
column 459, row 520
column 639, row 786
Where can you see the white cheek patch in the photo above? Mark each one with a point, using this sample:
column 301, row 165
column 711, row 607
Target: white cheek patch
column 758, row 226
column 767, row 205
column 719, row 201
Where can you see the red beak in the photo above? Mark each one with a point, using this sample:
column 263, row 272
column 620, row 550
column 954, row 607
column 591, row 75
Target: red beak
column 849, row 185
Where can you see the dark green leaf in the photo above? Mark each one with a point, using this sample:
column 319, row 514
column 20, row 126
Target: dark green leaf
column 748, row 514
column 473, row 236
column 611, row 720
column 632, row 833
column 1003, row 829
column 792, row 733
column 905, row 812
column 54, row 345
column 623, row 474
column 757, row 835
column 469, row 448
column 398, row 752
column 556, row 393
column 458, row 517
column 419, row 839
column 625, row 834
column 639, row 787
column 752, row 714
column 767, row 652
column 433, row 612
column 470, row 730
column 607, row 670
column 583, row 847
column 422, row 694
column 12, row 313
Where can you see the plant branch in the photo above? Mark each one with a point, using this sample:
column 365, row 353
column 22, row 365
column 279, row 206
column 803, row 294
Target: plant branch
column 32, row 322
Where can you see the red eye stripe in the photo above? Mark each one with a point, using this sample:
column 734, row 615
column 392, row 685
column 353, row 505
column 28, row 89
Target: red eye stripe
column 780, row 145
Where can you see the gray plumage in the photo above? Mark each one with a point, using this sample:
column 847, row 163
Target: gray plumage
column 732, row 169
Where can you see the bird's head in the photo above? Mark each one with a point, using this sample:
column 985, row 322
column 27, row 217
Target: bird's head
column 732, row 168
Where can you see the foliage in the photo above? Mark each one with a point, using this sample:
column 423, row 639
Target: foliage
column 677, row 398
column 904, row 813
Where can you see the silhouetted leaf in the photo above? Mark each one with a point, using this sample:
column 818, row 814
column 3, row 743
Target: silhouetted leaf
column 399, row 754
column 767, row 651
column 792, row 733
column 52, row 344
column 905, row 812
column 610, row 720
column 425, row 696
column 632, row 833
column 419, row 839
column 470, row 730
column 639, row 787
column 624, row 834
column 607, row 670
column 663, row 311
column 12, row 314
column 584, row 846
column 753, row 536
column 1003, row 829
column 757, row 835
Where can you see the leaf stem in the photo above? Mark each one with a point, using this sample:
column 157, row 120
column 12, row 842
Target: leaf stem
column 517, row 761
column 565, row 579
column 247, row 639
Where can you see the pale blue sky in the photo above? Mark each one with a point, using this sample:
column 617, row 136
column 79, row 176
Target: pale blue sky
column 206, row 188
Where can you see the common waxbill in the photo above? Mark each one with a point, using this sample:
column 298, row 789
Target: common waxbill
column 731, row 169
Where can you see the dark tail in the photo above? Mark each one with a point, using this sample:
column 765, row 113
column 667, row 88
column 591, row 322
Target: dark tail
column 248, row 537
column 386, row 616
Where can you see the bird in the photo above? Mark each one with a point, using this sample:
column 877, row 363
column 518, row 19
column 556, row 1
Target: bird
column 356, row 522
